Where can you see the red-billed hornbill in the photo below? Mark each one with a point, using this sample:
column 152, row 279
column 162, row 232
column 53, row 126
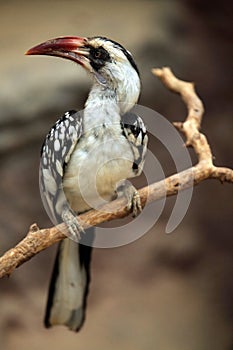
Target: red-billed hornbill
column 87, row 155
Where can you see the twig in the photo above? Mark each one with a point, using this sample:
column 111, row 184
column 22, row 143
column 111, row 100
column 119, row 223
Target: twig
column 40, row 239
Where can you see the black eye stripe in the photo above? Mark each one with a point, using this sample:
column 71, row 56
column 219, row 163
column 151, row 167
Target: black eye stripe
column 99, row 53
column 98, row 57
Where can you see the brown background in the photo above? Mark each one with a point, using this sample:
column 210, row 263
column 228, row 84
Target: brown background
column 163, row 292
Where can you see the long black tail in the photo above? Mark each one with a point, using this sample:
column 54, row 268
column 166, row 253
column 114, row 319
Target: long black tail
column 69, row 284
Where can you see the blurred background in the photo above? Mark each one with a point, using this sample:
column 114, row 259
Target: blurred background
column 164, row 292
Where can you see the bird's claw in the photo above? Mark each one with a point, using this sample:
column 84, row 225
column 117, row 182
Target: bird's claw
column 134, row 203
column 132, row 196
column 74, row 227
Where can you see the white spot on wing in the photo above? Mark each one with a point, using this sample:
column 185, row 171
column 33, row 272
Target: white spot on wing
column 63, row 151
column 57, row 145
column 59, row 167
column 49, row 181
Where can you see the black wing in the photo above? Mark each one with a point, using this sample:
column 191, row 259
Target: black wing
column 134, row 130
column 56, row 151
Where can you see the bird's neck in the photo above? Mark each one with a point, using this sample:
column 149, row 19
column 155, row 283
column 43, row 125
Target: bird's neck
column 107, row 105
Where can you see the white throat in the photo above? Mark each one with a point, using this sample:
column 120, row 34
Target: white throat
column 106, row 104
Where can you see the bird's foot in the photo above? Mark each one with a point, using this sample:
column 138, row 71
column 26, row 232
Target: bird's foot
column 132, row 196
column 134, row 202
column 74, row 227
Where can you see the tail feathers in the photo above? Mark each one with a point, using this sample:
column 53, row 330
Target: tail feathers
column 69, row 286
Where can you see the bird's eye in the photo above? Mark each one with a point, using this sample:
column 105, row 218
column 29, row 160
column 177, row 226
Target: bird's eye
column 97, row 54
column 98, row 57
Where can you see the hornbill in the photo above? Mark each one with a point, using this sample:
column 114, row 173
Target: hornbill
column 86, row 157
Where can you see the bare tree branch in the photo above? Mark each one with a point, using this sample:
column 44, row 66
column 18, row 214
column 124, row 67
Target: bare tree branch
column 40, row 239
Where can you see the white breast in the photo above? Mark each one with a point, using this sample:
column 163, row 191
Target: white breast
column 101, row 159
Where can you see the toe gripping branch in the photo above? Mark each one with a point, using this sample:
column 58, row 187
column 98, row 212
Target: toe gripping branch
column 73, row 225
column 126, row 189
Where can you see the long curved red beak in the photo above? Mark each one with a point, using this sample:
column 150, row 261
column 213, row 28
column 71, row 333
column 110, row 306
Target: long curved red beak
column 68, row 47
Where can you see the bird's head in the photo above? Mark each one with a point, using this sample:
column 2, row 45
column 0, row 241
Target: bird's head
column 110, row 63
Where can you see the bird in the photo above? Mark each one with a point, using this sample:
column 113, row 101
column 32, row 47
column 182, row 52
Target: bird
column 86, row 160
